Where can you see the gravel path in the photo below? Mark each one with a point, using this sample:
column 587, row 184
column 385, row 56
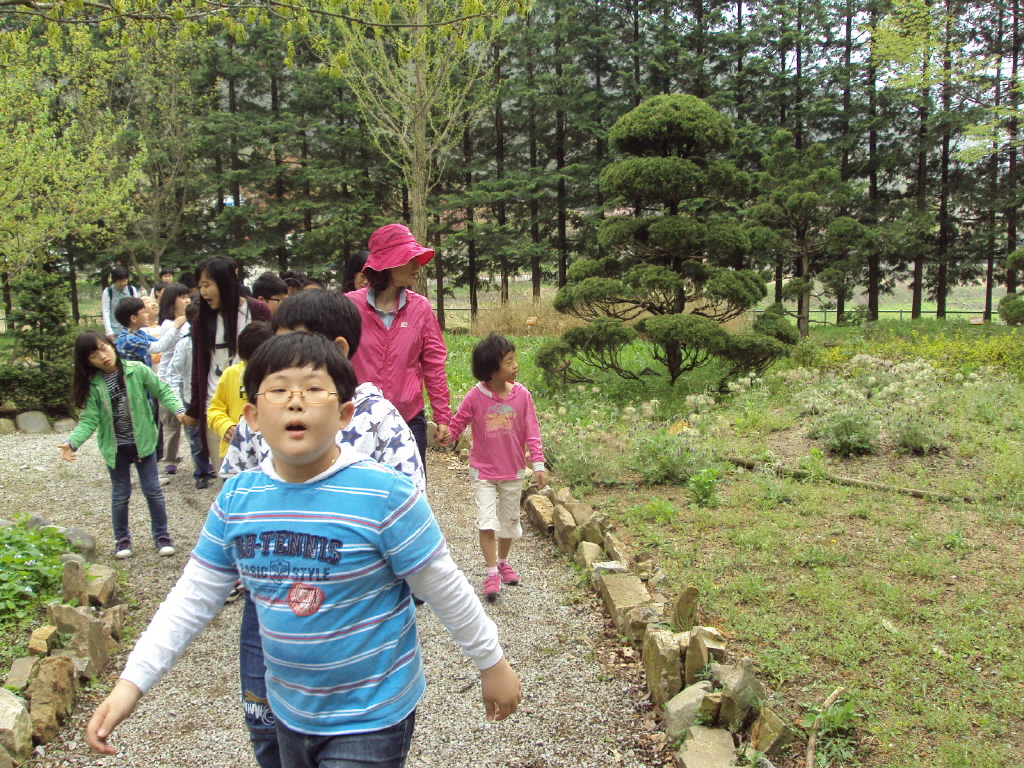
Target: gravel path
column 583, row 704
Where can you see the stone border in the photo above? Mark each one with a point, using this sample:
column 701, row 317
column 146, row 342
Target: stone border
column 716, row 709
column 84, row 630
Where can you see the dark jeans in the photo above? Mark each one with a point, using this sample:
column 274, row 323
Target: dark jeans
column 386, row 748
column 258, row 716
column 121, row 491
column 418, row 427
column 200, row 458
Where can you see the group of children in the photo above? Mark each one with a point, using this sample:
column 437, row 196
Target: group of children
column 323, row 518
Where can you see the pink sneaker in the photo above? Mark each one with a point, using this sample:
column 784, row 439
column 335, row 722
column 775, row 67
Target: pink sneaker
column 492, row 586
column 508, row 574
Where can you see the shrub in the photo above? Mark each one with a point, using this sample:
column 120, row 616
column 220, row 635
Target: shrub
column 664, row 458
column 1011, row 309
column 46, row 386
column 704, row 487
column 915, row 433
column 847, row 431
column 41, row 316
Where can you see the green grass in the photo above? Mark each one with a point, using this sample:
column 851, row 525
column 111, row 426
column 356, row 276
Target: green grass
column 912, row 605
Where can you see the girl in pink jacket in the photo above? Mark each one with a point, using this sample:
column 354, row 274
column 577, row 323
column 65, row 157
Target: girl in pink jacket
column 401, row 344
column 504, row 423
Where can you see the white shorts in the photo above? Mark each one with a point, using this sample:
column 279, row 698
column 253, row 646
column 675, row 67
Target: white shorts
column 497, row 507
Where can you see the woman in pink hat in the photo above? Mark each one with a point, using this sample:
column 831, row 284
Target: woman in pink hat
column 401, row 349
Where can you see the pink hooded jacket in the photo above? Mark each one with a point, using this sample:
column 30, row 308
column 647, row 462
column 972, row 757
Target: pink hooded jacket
column 404, row 358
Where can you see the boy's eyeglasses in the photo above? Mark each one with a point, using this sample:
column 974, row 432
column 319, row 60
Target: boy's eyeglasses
column 310, row 396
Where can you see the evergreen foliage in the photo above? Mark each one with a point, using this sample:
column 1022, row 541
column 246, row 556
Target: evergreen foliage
column 665, row 269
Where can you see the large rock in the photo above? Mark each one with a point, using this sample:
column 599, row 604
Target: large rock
column 15, row 726
column 706, row 748
column 742, row 694
column 35, row 522
column 5, row 759
column 640, row 618
column 697, row 659
column 64, row 425
column 42, row 641
column 617, row 550
column 714, row 641
column 563, row 496
column 82, row 541
column 52, row 694
column 567, row 535
column 710, row 708
column 21, row 673
column 662, row 665
column 587, row 554
column 104, row 586
column 593, row 529
column 683, row 711
column 621, row 593
column 6, row 426
column 32, row 422
column 770, row 734
column 580, row 512
column 114, row 618
column 5, row 523
column 541, row 512
column 88, row 648
column 686, row 608
column 74, row 587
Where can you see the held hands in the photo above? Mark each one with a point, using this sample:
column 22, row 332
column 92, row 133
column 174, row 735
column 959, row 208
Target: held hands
column 501, row 691
column 66, row 452
column 115, row 708
column 188, row 421
column 443, row 434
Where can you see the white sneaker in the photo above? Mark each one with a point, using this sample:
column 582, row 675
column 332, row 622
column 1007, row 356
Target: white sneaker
column 164, row 547
column 123, row 550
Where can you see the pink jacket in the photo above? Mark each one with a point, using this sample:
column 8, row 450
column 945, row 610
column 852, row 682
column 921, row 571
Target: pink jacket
column 503, row 430
column 404, row 358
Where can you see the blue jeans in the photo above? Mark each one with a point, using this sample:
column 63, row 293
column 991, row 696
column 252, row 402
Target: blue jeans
column 200, row 458
column 418, row 427
column 386, row 748
column 121, row 491
column 259, row 718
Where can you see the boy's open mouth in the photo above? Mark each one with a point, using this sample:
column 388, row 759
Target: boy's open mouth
column 295, row 426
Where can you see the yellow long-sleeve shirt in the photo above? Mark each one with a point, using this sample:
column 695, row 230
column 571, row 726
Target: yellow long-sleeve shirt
column 228, row 401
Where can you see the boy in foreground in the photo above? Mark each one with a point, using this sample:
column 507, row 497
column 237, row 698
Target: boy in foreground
column 328, row 542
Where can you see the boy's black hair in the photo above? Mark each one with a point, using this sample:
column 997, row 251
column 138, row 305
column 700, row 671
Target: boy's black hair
column 192, row 309
column 166, row 271
column 324, row 312
column 252, row 336
column 268, row 284
column 126, row 307
column 82, row 370
column 158, row 290
column 188, row 280
column 488, row 354
column 298, row 350
column 119, row 273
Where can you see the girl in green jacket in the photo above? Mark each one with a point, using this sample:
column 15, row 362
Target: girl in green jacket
column 113, row 397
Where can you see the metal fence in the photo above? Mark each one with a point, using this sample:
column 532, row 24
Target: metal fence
column 976, row 316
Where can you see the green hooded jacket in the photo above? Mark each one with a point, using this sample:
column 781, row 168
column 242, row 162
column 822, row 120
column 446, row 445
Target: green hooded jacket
column 98, row 414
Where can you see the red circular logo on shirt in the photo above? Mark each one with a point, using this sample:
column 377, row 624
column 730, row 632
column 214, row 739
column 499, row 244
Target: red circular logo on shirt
column 305, row 599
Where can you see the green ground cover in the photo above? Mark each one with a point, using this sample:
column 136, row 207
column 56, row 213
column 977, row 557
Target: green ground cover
column 911, row 604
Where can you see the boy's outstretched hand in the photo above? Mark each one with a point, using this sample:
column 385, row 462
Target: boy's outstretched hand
column 501, row 691
column 115, row 708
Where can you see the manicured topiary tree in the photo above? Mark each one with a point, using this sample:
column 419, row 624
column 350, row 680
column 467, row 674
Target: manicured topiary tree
column 673, row 269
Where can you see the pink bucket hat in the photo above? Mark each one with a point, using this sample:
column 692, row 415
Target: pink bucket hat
column 392, row 246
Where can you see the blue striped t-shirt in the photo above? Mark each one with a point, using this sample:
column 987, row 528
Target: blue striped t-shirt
column 325, row 563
